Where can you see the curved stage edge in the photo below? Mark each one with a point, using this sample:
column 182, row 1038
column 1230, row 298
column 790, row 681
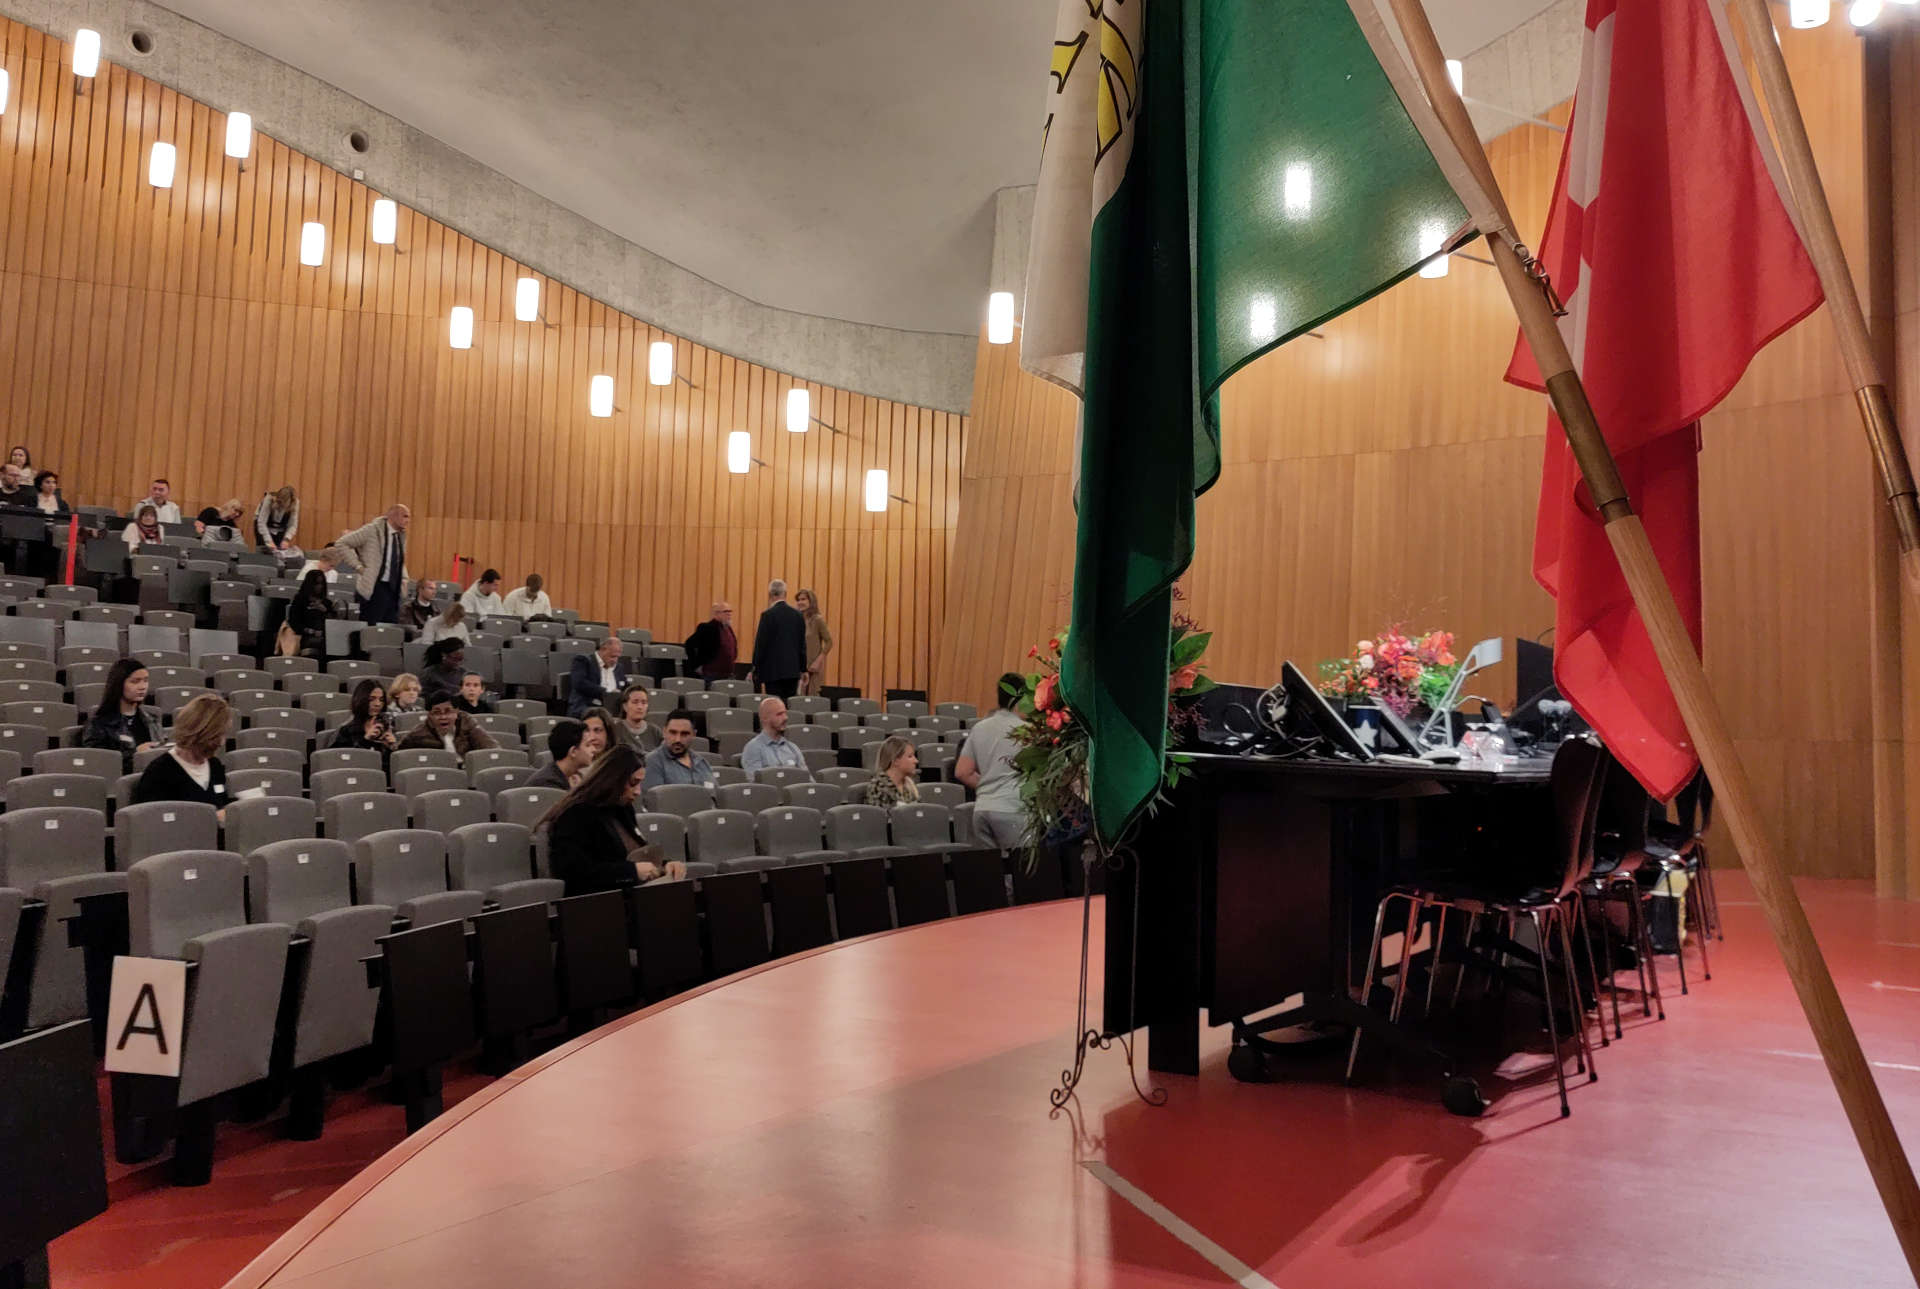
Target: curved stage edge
column 875, row 1113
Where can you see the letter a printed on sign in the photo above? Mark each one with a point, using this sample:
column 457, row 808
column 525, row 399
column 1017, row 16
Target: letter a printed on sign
column 146, row 1016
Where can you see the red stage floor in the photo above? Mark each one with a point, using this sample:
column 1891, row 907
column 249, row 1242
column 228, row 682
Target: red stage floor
column 876, row 1114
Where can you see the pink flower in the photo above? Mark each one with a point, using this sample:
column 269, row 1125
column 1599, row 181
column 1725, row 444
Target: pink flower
column 1183, row 678
column 1056, row 720
column 1044, row 693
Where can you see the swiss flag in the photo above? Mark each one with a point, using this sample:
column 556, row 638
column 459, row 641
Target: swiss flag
column 1673, row 246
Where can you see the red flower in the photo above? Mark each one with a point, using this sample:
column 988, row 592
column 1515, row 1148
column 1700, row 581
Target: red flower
column 1183, row 678
column 1056, row 721
column 1053, row 645
column 1044, row 693
column 1034, row 652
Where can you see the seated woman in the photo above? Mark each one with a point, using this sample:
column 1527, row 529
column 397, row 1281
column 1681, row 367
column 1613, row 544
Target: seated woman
column 370, row 726
column 144, row 528
column 896, row 774
column 405, row 694
column 191, row 769
column 220, row 523
column 122, row 722
column 592, row 837
column 451, row 625
column 46, row 494
column 445, row 668
column 632, row 726
column 307, row 614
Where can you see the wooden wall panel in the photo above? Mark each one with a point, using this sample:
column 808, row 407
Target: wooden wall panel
column 1384, row 473
column 174, row 331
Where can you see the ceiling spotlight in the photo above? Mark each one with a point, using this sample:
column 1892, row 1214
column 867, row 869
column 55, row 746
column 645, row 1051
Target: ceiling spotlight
column 799, row 411
column 86, row 52
column 313, row 243
column 526, row 299
column 460, row 327
column 160, row 165
column 1809, row 13
column 876, row 491
column 739, row 452
column 1861, row 13
column 386, row 220
column 1000, row 317
column 239, row 135
column 1432, row 238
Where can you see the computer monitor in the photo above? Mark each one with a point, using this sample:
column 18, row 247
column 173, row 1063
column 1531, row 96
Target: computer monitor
column 1305, row 704
column 1533, row 669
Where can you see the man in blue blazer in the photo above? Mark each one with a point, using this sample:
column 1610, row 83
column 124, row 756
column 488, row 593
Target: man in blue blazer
column 596, row 677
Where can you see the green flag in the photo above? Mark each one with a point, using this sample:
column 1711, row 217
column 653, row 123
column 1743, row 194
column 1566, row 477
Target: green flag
column 1217, row 178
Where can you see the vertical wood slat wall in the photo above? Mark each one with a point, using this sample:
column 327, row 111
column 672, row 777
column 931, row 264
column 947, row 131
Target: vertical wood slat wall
column 1386, row 474
column 150, row 331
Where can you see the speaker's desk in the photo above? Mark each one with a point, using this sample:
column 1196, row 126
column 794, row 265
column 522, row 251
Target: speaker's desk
column 1258, row 882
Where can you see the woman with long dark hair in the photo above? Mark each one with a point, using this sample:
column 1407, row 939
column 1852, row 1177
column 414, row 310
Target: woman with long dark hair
column 370, row 726
column 123, row 722
column 308, row 611
column 592, row 837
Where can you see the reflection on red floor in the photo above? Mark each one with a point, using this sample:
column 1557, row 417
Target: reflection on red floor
column 877, row 1115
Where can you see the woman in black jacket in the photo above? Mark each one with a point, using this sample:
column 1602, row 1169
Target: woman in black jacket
column 122, row 722
column 190, row 770
column 592, row 838
column 307, row 614
column 370, row 726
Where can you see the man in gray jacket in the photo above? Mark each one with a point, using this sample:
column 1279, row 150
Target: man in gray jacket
column 379, row 550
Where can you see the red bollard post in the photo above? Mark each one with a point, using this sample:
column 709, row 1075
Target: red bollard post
column 73, row 545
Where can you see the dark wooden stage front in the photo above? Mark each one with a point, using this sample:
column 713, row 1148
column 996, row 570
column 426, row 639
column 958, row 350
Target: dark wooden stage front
column 876, row 1115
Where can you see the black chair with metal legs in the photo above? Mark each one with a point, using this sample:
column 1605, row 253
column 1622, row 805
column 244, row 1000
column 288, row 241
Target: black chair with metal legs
column 1620, row 854
column 1685, row 835
column 1539, row 888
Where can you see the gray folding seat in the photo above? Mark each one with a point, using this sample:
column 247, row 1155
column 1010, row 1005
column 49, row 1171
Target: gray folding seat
column 682, row 685
column 260, row 821
column 731, row 688
column 844, row 776
column 72, row 656
column 834, row 721
column 121, row 615
column 907, row 707
column 248, row 701
column 923, row 826
column 730, row 745
column 346, row 758
column 701, row 701
column 284, row 669
column 351, row 670
column 278, row 783
column 934, row 725
column 10, row 765
column 782, row 776
column 816, row 796
column 486, row 757
column 415, row 757
column 496, row 859
column 859, row 831
column 962, row 711
column 192, row 905
column 793, row 833
column 328, row 784
column 407, row 868
column 264, row 758
column 857, row 706
column 725, row 839
column 869, row 753
column 47, row 611
column 750, row 797
column 683, row 799
column 938, row 757
column 295, row 878
column 521, row 709
column 17, row 668
column 949, row 795
column 668, row 832
column 82, row 791
column 446, row 809
column 58, row 855
column 286, row 718
column 52, row 717
column 325, row 705
column 12, row 902
column 20, row 690
column 728, row 720
column 728, row 774
column 353, row 815
column 525, row 806
column 74, row 595
column 961, row 817
column 810, row 705
column 417, row 780
column 499, row 726
column 299, row 684
column 808, row 737
column 273, row 736
column 101, row 763
column 24, row 740
column 494, row 780
column 161, row 826
column 233, row 680
column 882, row 723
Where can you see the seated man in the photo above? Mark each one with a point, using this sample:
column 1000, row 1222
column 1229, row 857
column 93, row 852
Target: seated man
column 447, row 726
column 474, row 699
column 675, row 761
column 420, row 608
column 769, row 749
column 529, row 601
column 160, row 497
column 572, row 754
column 483, row 597
column 14, row 490
column 596, row 678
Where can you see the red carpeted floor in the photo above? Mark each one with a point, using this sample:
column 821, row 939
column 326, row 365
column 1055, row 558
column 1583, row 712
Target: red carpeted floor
column 876, row 1114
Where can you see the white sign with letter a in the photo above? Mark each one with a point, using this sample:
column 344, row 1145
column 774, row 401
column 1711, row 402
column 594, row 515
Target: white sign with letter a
column 146, row 1016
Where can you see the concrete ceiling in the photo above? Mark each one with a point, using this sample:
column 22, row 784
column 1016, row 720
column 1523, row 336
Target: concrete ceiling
column 836, row 158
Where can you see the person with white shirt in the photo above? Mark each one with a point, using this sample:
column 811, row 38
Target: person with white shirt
column 191, row 769
column 769, row 749
column 451, row 625
column 529, row 601
column 144, row 528
column 985, row 764
column 160, row 497
column 596, row 677
column 483, row 597
column 327, row 562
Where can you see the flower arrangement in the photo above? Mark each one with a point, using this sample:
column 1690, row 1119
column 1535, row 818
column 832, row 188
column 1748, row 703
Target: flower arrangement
column 1052, row 761
column 1394, row 669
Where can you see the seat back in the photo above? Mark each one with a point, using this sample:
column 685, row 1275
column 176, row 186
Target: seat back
column 751, row 797
column 819, row 796
column 353, row 815
column 496, row 779
column 525, row 806
column 450, row 808
column 413, row 758
column 82, row 790
column 481, row 856
column 328, row 784
column 717, row 835
column 668, row 832
column 100, row 762
column 261, row 821
column 683, row 799
column 162, row 826
column 788, row 830
column 175, row 896
column 950, row 795
column 398, row 865
column 278, row 783
column 346, row 758
column 421, row 779
column 856, row 828
column 1585, row 783
column 920, row 824
column 49, row 843
column 297, row 877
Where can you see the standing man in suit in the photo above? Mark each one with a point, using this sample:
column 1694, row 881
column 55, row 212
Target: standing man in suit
column 379, row 550
column 780, row 644
column 596, row 678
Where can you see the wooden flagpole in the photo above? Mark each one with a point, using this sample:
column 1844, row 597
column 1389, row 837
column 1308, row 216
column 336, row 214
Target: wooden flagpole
column 1843, row 302
column 1733, row 791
